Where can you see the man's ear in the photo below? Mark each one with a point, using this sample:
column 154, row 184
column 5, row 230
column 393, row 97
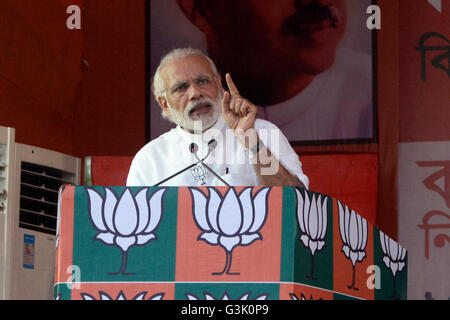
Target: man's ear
column 163, row 104
column 195, row 14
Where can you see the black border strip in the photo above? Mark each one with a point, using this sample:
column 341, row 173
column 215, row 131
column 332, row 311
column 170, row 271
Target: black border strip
column 375, row 79
column 147, row 94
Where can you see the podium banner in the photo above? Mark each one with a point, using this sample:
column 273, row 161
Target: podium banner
column 220, row 243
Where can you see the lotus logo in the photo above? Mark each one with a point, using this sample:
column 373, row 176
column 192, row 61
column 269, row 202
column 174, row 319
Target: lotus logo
column 312, row 220
column 127, row 220
column 229, row 220
column 302, row 297
column 394, row 256
column 225, row 296
column 353, row 231
column 200, row 173
column 121, row 296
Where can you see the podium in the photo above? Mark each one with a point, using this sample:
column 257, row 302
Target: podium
column 220, row 243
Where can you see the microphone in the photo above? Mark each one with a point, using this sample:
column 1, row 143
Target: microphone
column 193, row 147
column 212, row 144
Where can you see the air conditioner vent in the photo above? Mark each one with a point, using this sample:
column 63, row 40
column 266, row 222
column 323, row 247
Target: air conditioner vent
column 39, row 187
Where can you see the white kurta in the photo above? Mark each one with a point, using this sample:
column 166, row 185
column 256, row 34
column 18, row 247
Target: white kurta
column 170, row 153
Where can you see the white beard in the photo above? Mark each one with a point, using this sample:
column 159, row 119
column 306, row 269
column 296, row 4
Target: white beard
column 198, row 123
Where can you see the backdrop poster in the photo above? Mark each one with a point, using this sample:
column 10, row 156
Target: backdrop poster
column 309, row 68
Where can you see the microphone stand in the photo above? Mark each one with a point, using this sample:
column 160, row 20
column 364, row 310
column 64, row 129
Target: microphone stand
column 175, row 174
column 193, row 148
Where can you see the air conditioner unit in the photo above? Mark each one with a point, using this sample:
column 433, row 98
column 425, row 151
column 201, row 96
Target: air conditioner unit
column 30, row 178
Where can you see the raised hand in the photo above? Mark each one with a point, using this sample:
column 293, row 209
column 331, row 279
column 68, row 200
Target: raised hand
column 238, row 112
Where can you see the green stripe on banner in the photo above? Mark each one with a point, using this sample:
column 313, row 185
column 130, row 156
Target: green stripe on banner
column 289, row 232
column 154, row 260
column 61, row 291
column 299, row 264
column 392, row 287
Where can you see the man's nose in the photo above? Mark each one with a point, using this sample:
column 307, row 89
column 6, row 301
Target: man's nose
column 194, row 91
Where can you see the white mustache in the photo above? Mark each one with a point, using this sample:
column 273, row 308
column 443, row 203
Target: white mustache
column 194, row 105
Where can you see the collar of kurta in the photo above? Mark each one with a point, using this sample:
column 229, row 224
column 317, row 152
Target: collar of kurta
column 215, row 132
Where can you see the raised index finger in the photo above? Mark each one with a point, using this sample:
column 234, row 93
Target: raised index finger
column 231, row 86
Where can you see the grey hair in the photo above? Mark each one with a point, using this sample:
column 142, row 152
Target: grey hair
column 179, row 53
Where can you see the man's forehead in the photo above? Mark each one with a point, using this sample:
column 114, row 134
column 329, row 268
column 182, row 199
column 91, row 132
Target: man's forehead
column 180, row 69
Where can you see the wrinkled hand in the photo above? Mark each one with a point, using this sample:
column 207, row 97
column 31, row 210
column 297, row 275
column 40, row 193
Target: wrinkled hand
column 239, row 114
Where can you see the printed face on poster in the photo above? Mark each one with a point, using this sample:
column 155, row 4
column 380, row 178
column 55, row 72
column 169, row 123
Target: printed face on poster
column 307, row 66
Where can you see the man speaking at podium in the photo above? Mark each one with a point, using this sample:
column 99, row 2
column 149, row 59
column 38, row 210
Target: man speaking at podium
column 218, row 140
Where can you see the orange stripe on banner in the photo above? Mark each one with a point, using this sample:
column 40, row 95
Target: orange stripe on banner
column 64, row 250
column 300, row 292
column 343, row 267
column 197, row 259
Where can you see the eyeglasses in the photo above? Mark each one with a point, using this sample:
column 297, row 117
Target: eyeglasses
column 180, row 87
